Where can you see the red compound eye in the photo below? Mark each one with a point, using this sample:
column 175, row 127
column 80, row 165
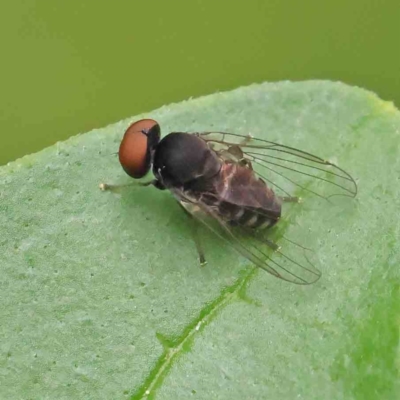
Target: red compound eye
column 134, row 150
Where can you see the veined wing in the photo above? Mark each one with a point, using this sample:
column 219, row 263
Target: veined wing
column 286, row 169
column 289, row 265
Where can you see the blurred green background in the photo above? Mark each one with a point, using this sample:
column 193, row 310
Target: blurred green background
column 68, row 67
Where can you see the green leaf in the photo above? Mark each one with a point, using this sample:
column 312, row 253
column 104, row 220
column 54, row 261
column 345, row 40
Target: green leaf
column 103, row 298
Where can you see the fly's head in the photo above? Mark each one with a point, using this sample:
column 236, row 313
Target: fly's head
column 136, row 151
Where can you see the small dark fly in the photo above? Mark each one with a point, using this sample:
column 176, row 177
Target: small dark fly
column 235, row 186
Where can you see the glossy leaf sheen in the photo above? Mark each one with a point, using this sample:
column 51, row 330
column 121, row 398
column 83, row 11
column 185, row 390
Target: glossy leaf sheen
column 102, row 295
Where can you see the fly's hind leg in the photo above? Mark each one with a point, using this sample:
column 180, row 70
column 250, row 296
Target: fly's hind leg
column 256, row 235
column 272, row 245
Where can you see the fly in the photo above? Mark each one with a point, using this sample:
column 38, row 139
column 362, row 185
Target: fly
column 211, row 175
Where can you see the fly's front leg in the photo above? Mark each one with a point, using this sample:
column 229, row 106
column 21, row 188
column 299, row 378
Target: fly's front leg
column 118, row 188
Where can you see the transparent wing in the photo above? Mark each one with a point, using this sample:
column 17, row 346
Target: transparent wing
column 291, row 264
column 286, row 169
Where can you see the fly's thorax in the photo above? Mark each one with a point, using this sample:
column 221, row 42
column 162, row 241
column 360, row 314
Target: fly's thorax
column 182, row 157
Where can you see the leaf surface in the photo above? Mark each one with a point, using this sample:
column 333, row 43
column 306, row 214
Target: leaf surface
column 102, row 295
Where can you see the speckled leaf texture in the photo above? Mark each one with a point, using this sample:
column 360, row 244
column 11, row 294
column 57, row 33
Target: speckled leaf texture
column 102, row 295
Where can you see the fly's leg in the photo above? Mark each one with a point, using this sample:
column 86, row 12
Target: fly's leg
column 118, row 188
column 272, row 245
column 196, row 237
column 197, row 242
column 291, row 199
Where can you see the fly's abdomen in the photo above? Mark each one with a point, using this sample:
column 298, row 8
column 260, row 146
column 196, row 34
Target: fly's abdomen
column 256, row 218
column 240, row 198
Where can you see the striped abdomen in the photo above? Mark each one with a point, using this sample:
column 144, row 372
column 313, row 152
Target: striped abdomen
column 240, row 198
